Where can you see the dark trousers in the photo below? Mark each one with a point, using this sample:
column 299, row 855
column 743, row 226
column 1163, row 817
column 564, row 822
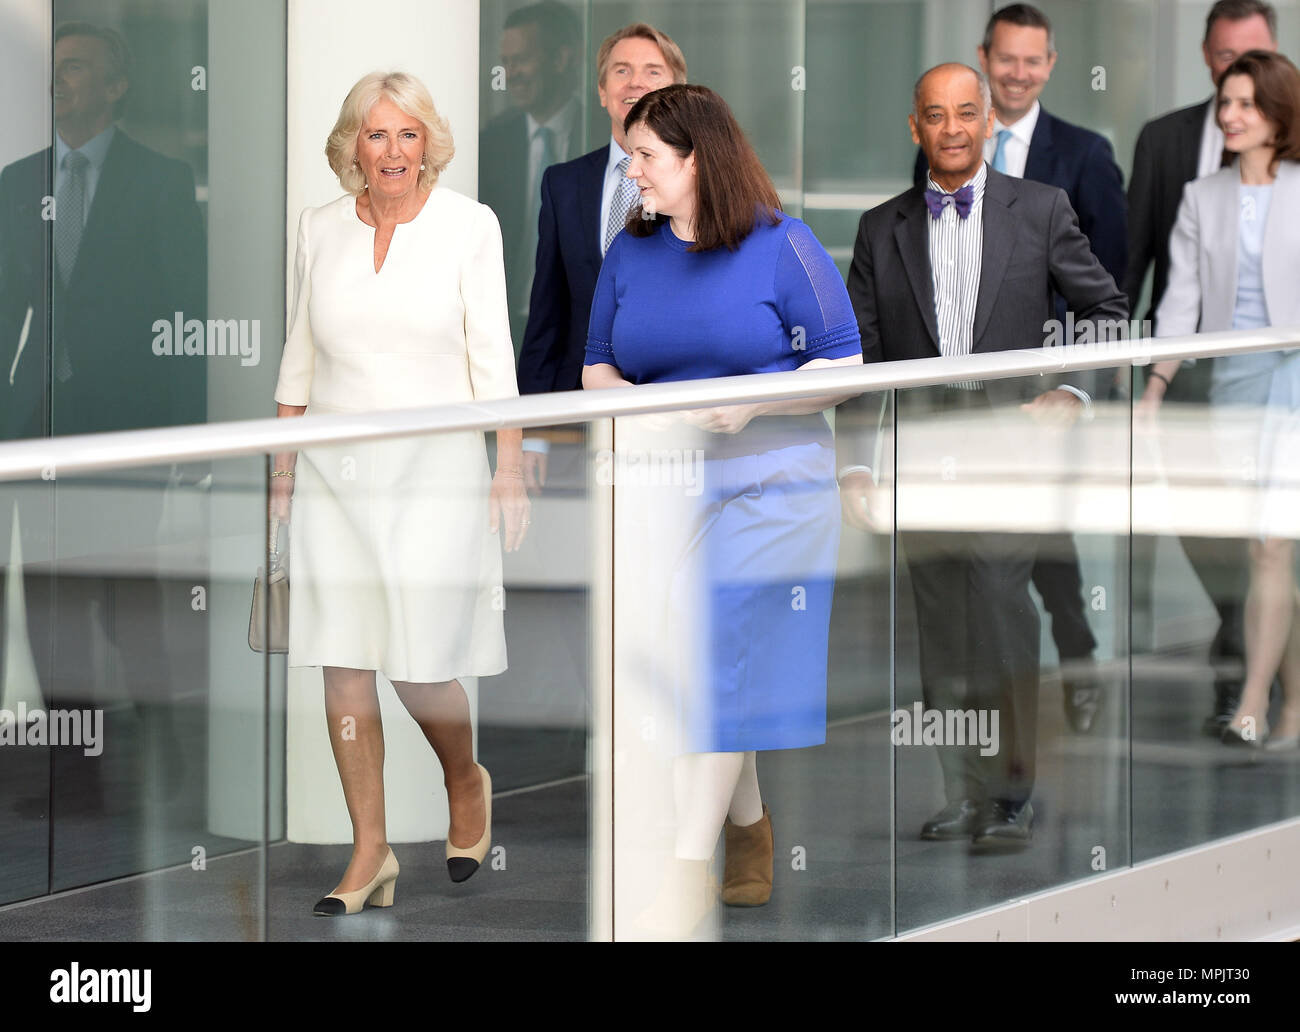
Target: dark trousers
column 1058, row 580
column 979, row 631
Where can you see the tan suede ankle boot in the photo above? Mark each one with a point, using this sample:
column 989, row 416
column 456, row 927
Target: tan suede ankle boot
column 747, row 876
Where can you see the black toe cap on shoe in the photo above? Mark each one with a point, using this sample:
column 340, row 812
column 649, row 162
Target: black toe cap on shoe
column 461, row 868
column 330, row 906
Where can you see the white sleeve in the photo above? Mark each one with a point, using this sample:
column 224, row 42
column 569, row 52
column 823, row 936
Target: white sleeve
column 299, row 358
column 487, row 314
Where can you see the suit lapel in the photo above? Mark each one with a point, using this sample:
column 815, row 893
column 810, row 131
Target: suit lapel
column 912, row 236
column 999, row 243
column 113, row 182
column 590, row 189
column 1038, row 165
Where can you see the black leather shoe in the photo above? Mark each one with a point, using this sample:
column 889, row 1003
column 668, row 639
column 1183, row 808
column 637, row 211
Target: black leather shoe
column 1004, row 825
column 1227, row 695
column 1082, row 704
column 954, row 821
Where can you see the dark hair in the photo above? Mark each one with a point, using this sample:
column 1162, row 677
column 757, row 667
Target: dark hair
column 1237, row 10
column 557, row 25
column 117, row 53
column 1026, row 15
column 732, row 189
column 1277, row 96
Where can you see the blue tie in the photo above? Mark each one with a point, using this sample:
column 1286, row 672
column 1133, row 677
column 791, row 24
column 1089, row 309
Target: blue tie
column 1000, row 155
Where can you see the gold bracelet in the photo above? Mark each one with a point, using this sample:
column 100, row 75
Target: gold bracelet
column 282, row 473
column 511, row 471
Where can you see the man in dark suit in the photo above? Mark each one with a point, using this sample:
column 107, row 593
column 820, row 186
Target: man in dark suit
column 584, row 204
column 99, row 238
column 965, row 266
column 1172, row 150
column 541, row 54
column 1017, row 55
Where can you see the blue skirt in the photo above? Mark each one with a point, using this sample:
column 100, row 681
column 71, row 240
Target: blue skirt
column 749, row 602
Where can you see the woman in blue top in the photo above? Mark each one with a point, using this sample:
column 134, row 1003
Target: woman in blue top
column 1233, row 257
column 711, row 279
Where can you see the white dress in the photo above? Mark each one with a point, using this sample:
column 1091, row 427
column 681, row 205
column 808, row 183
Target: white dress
column 392, row 565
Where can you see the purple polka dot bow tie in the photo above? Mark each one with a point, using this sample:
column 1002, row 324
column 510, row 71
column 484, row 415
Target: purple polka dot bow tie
column 962, row 200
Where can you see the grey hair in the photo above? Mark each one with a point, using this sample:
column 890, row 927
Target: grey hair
column 986, row 97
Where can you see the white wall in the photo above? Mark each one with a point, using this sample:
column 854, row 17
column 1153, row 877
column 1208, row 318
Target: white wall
column 331, row 44
column 25, row 47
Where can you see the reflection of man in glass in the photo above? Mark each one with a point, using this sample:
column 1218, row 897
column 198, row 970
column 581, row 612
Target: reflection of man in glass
column 540, row 52
column 100, row 238
column 106, row 234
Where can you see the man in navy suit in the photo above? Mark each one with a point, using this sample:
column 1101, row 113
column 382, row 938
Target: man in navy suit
column 1017, row 55
column 583, row 207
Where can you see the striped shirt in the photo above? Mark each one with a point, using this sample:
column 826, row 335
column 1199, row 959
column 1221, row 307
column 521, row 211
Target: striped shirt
column 956, row 249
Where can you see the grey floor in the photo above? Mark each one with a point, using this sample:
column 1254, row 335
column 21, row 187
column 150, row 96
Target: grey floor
column 834, row 806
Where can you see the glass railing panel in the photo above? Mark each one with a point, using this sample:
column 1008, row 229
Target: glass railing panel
column 129, row 674
column 1010, row 722
column 420, row 642
column 1216, row 708
column 750, row 678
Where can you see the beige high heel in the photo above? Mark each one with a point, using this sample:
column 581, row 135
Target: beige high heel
column 462, row 863
column 378, row 892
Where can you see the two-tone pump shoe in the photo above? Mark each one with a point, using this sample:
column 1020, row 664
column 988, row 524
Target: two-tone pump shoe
column 378, row 892
column 462, row 863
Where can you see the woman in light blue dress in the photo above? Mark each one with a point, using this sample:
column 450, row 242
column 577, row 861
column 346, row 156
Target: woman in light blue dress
column 1234, row 255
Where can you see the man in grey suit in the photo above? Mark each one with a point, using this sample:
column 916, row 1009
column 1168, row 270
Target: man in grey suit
column 965, row 265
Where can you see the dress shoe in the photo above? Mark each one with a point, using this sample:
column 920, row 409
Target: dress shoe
column 954, row 821
column 1277, row 743
column 1227, row 696
column 1082, row 704
column 1004, row 825
column 462, row 863
column 1234, row 734
column 378, row 893
column 747, row 873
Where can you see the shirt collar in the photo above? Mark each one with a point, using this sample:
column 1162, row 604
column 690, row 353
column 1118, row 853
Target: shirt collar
column 95, row 150
column 1023, row 130
column 976, row 181
column 616, row 154
column 560, row 123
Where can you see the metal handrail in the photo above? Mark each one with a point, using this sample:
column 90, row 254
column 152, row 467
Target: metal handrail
column 20, row 460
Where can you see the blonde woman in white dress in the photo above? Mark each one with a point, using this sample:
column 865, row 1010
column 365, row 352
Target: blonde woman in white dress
column 399, row 302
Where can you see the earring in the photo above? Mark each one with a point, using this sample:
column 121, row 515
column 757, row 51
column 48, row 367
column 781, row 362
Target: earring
column 422, row 163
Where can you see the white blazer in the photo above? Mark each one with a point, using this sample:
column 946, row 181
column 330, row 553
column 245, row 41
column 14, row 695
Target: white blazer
column 1202, row 289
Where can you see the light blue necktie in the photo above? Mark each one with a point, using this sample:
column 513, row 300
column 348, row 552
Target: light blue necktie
column 1000, row 155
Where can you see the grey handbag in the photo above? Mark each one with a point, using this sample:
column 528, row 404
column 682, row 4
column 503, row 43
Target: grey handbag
column 271, row 592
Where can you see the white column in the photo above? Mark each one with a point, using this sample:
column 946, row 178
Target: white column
column 436, row 40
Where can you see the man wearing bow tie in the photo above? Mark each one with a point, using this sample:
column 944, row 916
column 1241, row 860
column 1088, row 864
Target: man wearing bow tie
column 967, row 264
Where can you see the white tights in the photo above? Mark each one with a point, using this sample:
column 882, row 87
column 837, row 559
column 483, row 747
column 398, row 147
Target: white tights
column 707, row 789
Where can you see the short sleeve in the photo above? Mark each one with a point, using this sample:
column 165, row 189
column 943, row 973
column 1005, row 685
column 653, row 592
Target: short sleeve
column 604, row 306
column 299, row 357
column 812, row 298
column 487, row 314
